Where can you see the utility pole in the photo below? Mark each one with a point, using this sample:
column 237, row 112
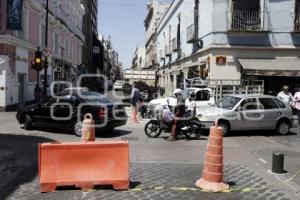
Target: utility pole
column 62, row 63
column 46, row 46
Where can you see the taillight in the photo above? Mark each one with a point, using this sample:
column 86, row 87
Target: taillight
column 101, row 113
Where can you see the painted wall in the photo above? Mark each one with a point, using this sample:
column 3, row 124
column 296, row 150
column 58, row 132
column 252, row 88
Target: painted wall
column 185, row 9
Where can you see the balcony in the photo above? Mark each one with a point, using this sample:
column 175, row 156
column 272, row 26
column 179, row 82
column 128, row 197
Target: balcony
column 174, row 45
column 297, row 22
column 190, row 34
column 247, row 21
column 161, row 55
column 167, row 51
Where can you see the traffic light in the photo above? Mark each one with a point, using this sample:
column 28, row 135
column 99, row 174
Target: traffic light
column 38, row 60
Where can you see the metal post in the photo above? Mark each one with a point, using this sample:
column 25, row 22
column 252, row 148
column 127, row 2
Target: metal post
column 46, row 46
column 37, row 98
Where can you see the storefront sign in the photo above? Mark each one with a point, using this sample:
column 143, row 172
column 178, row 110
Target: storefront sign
column 14, row 14
column 221, row 60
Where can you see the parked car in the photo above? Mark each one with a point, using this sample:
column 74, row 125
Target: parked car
column 118, row 85
column 62, row 112
column 249, row 112
column 204, row 98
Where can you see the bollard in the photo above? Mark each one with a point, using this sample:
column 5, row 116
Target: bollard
column 277, row 163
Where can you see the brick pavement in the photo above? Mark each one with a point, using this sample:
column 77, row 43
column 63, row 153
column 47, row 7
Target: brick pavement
column 155, row 162
column 146, row 175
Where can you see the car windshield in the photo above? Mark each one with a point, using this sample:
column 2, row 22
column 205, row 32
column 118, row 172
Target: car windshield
column 95, row 97
column 228, row 102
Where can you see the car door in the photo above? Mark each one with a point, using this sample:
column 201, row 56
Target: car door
column 248, row 115
column 271, row 112
column 42, row 115
column 63, row 111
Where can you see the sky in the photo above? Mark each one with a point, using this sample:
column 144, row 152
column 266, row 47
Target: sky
column 123, row 20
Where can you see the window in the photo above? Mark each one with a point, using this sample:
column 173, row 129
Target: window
column 48, row 102
column 297, row 15
column 249, row 104
column 179, row 36
column 246, row 15
column 280, row 104
column 56, row 48
column 202, row 95
column 268, row 103
column 228, row 102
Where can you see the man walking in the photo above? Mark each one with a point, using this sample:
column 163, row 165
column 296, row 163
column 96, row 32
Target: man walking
column 285, row 95
column 135, row 97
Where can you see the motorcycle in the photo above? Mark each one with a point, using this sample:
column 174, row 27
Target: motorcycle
column 191, row 128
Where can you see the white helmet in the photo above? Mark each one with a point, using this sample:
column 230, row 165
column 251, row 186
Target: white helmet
column 177, row 91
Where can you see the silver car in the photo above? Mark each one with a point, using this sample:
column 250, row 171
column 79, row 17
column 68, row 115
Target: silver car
column 249, row 112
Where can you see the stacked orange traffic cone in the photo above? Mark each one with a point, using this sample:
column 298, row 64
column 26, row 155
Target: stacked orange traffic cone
column 213, row 176
column 88, row 129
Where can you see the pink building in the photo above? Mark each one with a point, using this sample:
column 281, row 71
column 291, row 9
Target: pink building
column 17, row 47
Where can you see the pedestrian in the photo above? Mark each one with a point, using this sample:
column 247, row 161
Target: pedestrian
column 134, row 99
column 285, row 95
column 179, row 112
column 296, row 101
column 37, row 93
column 142, row 108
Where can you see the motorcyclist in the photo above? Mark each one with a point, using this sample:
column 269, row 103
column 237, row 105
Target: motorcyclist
column 179, row 112
column 167, row 115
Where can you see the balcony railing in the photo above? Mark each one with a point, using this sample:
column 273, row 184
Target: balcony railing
column 174, row 45
column 190, row 34
column 240, row 20
column 297, row 22
column 167, row 50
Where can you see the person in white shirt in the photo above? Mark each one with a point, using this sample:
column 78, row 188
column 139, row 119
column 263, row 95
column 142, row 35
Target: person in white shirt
column 285, row 95
column 190, row 105
column 297, row 105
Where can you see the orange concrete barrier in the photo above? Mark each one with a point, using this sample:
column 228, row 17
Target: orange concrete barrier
column 213, row 176
column 84, row 165
column 88, row 128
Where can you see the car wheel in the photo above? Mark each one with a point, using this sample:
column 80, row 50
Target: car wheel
column 77, row 127
column 225, row 126
column 283, row 127
column 27, row 122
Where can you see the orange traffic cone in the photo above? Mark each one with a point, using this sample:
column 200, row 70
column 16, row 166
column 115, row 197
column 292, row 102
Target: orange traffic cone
column 213, row 176
column 88, row 129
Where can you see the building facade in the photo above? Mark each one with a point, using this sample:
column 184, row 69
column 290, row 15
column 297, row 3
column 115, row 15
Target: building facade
column 156, row 11
column 90, row 32
column 230, row 42
column 22, row 30
column 138, row 61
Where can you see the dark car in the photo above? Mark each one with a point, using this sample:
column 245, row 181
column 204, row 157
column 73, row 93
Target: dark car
column 67, row 110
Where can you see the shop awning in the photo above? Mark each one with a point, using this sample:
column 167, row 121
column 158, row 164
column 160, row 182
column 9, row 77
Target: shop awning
column 271, row 67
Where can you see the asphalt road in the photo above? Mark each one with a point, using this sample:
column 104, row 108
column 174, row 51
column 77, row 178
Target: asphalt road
column 156, row 162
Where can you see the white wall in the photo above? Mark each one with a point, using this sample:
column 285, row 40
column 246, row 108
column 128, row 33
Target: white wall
column 3, row 68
